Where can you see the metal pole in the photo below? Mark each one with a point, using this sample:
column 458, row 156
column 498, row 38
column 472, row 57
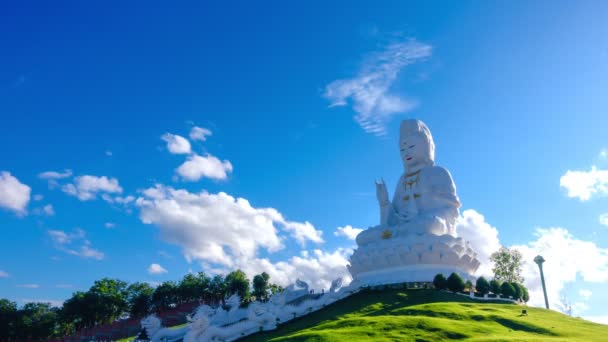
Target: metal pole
column 539, row 261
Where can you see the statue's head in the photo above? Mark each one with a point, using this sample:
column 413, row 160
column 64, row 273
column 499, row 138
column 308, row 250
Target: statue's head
column 416, row 144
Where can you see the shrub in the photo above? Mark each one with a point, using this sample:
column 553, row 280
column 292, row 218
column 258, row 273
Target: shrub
column 455, row 282
column 525, row 296
column 507, row 290
column 468, row 285
column 519, row 291
column 495, row 286
column 440, row 282
column 482, row 285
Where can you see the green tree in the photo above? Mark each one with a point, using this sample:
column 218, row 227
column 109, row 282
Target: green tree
column 482, row 285
column 274, row 288
column 36, row 321
column 140, row 299
column 518, row 290
column 507, row 290
column 164, row 295
column 189, row 288
column 439, row 282
column 217, row 288
column 8, row 317
column 507, row 265
column 109, row 299
column 455, row 282
column 495, row 286
column 261, row 286
column 77, row 310
column 204, row 283
column 237, row 282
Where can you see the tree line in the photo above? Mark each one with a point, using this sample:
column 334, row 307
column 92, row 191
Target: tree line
column 108, row 300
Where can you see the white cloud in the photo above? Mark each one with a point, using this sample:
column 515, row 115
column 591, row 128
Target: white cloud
column 348, row 232
column 604, row 219
column 567, row 258
column 109, row 225
column 585, row 293
column 28, row 286
column 176, row 144
column 211, row 227
column 86, row 187
column 48, row 210
column 74, row 243
column 156, row 269
column 585, row 184
column 4, row 274
column 370, row 91
column 472, row 227
column 109, row 153
column 197, row 167
column 200, row 133
column 38, row 197
column 55, row 175
column 303, row 231
column 225, row 233
column 14, row 195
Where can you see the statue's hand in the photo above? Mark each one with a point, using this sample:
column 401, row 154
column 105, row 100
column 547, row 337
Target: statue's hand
column 382, row 193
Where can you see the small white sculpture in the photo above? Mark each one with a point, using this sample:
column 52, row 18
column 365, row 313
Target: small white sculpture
column 295, row 291
column 218, row 324
column 157, row 333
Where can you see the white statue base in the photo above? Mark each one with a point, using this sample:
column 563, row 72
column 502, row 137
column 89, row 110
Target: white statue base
column 393, row 257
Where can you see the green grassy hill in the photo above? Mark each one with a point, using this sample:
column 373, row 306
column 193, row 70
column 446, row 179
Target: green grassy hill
column 428, row 315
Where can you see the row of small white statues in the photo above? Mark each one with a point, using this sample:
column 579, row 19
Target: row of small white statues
column 220, row 324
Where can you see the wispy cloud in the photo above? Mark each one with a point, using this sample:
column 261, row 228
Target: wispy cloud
column 200, row 133
column 4, row 274
column 28, row 286
column 55, row 175
column 156, row 269
column 86, row 187
column 74, row 243
column 370, row 90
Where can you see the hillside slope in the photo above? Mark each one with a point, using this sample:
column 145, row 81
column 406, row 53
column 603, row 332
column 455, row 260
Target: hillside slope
column 428, row 315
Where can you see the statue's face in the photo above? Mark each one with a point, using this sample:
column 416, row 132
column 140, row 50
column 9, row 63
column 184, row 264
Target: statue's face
column 414, row 150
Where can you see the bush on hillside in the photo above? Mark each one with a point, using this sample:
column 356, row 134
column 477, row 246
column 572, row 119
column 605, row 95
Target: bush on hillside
column 519, row 290
column 526, row 296
column 455, row 282
column 495, row 286
column 507, row 290
column 482, row 285
column 440, row 283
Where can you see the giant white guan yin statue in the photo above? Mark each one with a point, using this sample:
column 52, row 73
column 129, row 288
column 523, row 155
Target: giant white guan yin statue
column 416, row 237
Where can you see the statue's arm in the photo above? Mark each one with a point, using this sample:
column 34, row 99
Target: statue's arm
column 386, row 207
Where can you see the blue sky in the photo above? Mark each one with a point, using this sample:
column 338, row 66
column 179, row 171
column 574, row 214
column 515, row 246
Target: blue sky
column 303, row 102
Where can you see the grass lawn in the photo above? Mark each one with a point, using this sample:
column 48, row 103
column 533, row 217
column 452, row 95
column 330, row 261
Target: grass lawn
column 428, row 315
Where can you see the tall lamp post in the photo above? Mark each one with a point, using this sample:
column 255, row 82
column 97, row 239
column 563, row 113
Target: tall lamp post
column 539, row 261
